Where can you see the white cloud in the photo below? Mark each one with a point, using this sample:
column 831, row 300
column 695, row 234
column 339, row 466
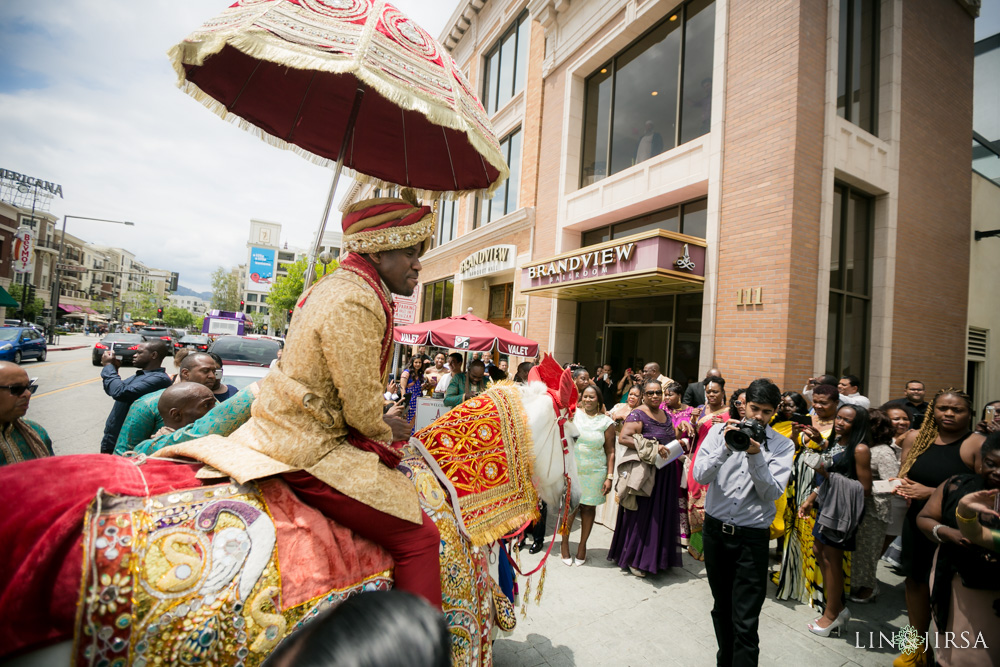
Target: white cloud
column 89, row 101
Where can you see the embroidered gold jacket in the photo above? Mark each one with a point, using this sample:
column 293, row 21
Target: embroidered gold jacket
column 328, row 379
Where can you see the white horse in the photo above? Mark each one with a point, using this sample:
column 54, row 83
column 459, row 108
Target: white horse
column 181, row 595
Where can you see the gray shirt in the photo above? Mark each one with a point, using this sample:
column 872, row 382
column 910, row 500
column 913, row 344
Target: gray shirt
column 742, row 488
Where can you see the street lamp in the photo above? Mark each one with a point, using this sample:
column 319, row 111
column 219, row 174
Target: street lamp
column 62, row 247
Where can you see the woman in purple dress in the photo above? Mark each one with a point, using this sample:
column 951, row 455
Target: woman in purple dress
column 647, row 539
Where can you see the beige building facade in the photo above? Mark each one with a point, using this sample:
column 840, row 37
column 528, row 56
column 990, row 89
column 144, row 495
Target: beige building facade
column 759, row 187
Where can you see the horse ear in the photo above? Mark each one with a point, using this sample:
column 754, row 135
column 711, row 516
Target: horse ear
column 559, row 381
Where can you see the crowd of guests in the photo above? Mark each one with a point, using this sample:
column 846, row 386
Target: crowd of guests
column 923, row 475
column 836, row 482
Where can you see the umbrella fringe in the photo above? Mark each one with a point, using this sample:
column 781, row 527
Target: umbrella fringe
column 260, row 47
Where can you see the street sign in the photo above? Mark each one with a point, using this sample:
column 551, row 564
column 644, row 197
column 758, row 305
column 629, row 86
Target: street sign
column 406, row 307
column 127, row 317
column 517, row 326
column 71, row 267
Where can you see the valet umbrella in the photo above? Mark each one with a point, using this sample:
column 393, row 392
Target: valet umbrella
column 350, row 84
column 466, row 332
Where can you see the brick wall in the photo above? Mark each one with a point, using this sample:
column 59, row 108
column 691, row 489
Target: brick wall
column 932, row 243
column 771, row 184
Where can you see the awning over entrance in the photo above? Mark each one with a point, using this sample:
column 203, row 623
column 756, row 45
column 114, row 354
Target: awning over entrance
column 6, row 300
column 646, row 264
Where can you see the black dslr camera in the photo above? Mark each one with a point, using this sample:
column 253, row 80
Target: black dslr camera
column 747, row 430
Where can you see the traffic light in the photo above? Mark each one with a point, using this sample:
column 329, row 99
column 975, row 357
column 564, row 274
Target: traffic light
column 289, row 313
column 30, row 294
column 159, row 312
column 241, row 304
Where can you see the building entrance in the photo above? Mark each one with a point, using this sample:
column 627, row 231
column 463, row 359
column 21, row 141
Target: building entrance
column 630, row 346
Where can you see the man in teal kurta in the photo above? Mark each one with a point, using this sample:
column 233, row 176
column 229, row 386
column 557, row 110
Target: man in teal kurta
column 20, row 439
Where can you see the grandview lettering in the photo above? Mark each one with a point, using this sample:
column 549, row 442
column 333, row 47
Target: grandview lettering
column 496, row 254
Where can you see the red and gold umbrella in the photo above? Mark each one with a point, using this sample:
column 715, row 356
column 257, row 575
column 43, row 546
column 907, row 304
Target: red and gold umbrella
column 345, row 83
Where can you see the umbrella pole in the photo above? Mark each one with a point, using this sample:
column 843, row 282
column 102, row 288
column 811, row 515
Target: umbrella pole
column 348, row 131
column 395, row 362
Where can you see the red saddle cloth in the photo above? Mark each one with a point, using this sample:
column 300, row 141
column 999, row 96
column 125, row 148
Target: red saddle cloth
column 45, row 501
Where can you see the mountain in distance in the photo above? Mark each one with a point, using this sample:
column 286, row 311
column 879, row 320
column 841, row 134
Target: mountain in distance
column 187, row 291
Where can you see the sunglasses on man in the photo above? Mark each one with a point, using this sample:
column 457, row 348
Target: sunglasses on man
column 19, row 389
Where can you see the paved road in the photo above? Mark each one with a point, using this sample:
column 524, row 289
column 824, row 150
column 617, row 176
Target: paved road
column 70, row 402
column 590, row 615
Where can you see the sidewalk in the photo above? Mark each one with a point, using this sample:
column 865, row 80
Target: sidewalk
column 74, row 342
column 597, row 615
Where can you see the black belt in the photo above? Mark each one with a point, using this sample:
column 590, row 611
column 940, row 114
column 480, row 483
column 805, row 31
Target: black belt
column 732, row 529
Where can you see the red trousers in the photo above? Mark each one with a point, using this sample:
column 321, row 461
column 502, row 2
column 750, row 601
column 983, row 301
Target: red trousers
column 415, row 549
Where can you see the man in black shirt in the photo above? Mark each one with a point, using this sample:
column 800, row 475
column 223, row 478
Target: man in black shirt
column 913, row 403
column 150, row 377
column 694, row 395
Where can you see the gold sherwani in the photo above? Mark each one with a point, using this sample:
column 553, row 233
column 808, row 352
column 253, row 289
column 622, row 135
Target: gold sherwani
column 328, row 378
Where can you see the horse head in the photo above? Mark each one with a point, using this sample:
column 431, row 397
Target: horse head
column 549, row 400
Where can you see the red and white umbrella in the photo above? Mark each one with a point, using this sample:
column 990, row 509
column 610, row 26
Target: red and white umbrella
column 352, row 84
column 466, row 332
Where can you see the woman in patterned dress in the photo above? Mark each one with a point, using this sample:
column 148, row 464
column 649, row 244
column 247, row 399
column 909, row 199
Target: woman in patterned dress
column 679, row 414
column 800, row 577
column 647, row 538
column 715, row 411
column 595, row 465
column 412, row 382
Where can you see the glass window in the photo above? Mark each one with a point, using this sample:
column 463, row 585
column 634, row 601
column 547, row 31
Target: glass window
column 447, row 221
column 695, row 221
column 642, row 310
column 857, row 63
column 662, row 219
column 850, row 283
column 687, row 338
column 504, row 200
column 590, row 334
column 644, row 121
column 595, row 236
column 506, row 65
column 437, row 299
column 630, row 111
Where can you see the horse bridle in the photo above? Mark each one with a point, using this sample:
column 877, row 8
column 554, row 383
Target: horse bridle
column 564, row 515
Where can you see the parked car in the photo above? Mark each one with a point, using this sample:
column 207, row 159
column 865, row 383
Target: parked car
column 17, row 343
column 168, row 336
column 194, row 343
column 122, row 344
column 241, row 376
column 243, row 351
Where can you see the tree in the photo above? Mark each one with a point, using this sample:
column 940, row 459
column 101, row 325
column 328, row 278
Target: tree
column 286, row 290
column 225, row 290
column 31, row 310
column 178, row 317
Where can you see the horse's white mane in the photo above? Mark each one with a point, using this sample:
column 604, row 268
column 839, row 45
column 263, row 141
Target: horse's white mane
column 542, row 420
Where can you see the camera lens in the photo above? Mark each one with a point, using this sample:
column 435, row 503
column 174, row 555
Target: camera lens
column 738, row 439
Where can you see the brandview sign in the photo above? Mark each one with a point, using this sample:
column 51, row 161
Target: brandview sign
column 488, row 261
column 659, row 253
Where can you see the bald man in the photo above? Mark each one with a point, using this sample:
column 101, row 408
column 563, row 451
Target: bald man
column 20, row 439
column 182, row 404
column 694, row 395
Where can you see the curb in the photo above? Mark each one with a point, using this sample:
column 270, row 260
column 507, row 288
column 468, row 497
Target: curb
column 72, row 347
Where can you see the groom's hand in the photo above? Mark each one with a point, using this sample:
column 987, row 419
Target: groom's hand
column 395, row 417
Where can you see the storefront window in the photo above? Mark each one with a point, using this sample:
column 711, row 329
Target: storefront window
column 437, row 299
column 506, row 65
column 858, row 62
column 504, row 201
column 630, row 111
column 850, row 283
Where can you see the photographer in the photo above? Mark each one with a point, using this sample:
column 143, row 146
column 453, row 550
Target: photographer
column 629, row 380
column 747, row 466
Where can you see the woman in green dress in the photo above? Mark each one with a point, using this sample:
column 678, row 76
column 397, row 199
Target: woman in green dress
column 595, row 465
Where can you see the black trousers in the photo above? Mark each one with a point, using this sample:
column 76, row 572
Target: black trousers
column 537, row 529
column 737, row 574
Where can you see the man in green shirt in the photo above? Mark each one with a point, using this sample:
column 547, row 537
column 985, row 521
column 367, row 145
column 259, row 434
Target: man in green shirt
column 466, row 385
column 20, row 439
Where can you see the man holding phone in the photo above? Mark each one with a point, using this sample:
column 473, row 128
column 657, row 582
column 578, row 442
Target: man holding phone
column 739, row 509
column 150, row 377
